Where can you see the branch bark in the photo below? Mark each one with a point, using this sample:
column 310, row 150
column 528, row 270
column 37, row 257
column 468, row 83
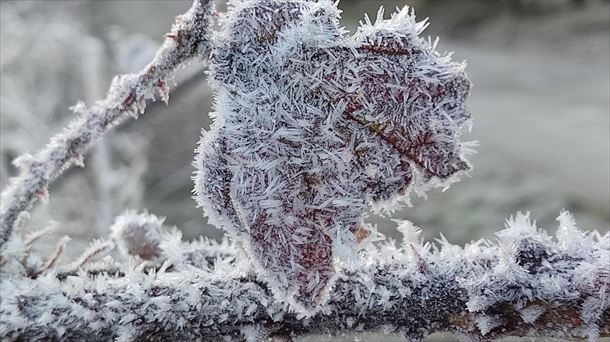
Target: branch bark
column 188, row 39
column 526, row 284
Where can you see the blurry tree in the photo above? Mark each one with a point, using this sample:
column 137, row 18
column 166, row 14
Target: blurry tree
column 77, row 65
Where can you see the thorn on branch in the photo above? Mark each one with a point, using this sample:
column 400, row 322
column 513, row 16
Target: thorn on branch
column 97, row 247
column 421, row 262
column 43, row 194
column 128, row 101
column 163, row 91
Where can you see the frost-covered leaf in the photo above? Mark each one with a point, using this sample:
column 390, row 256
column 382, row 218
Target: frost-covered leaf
column 312, row 126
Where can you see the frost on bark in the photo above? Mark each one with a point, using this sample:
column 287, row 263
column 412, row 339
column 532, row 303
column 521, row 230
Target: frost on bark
column 525, row 283
column 313, row 126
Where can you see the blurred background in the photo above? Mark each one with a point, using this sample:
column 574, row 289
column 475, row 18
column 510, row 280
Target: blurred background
column 540, row 104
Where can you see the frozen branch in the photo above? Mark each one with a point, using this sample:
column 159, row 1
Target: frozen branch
column 525, row 284
column 189, row 38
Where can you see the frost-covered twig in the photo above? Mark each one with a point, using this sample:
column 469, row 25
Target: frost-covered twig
column 347, row 122
column 189, row 38
column 526, row 283
column 52, row 259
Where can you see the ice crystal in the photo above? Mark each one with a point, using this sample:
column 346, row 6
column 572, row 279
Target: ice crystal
column 312, row 126
column 213, row 293
column 529, row 267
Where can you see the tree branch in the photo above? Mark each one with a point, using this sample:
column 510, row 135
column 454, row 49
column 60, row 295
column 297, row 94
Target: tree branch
column 189, row 38
column 525, row 284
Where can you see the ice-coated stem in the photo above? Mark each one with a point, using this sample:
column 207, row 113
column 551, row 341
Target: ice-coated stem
column 189, row 38
column 525, row 284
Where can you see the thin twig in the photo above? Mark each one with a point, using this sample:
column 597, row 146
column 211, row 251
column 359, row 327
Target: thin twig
column 97, row 247
column 189, row 38
column 52, row 259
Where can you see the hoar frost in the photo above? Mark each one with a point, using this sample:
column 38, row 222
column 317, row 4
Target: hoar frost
column 212, row 292
column 313, row 126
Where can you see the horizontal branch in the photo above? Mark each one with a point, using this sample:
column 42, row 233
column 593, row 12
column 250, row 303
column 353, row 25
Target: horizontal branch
column 189, row 38
column 525, row 284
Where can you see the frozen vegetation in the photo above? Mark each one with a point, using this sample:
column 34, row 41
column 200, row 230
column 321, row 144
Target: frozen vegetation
column 525, row 283
column 312, row 127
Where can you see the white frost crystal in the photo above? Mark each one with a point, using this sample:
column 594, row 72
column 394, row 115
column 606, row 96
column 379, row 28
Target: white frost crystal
column 312, row 126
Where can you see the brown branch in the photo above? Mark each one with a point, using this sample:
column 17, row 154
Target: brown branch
column 526, row 284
